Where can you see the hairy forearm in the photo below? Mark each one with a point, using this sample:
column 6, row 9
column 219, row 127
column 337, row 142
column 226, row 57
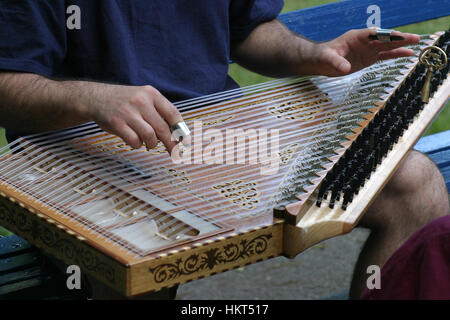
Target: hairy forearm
column 273, row 50
column 33, row 103
column 137, row 114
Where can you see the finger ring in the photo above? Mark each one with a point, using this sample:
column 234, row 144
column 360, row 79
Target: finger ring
column 385, row 35
column 180, row 130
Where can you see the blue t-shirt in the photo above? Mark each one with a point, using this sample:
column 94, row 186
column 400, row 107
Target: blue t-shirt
column 181, row 47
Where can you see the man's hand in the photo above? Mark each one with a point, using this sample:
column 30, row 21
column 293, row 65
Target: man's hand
column 354, row 51
column 273, row 50
column 139, row 115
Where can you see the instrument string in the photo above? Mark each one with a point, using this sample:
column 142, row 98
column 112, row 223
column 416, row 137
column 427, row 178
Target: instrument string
column 192, row 102
column 324, row 111
column 127, row 202
column 262, row 121
column 316, row 91
column 242, row 148
column 313, row 90
column 305, row 80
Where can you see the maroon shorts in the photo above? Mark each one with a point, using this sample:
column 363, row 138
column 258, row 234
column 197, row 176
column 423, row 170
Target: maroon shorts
column 420, row 268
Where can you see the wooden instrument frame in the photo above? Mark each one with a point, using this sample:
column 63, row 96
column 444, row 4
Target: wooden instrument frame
column 132, row 275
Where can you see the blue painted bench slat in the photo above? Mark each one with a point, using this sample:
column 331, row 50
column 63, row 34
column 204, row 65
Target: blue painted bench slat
column 437, row 146
column 326, row 22
column 25, row 273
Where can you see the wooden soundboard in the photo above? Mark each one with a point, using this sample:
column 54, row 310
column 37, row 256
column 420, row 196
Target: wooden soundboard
column 132, row 270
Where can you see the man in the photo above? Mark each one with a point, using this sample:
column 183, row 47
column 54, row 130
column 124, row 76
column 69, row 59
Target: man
column 129, row 59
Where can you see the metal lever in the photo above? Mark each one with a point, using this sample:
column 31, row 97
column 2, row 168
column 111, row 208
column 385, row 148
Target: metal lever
column 434, row 58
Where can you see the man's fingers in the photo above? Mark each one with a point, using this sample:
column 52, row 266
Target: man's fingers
column 408, row 39
column 165, row 135
column 395, row 53
column 166, row 109
column 341, row 64
column 130, row 136
column 170, row 115
column 162, row 129
column 333, row 63
column 145, row 132
column 395, row 49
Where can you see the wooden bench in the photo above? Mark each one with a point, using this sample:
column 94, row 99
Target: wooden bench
column 26, row 273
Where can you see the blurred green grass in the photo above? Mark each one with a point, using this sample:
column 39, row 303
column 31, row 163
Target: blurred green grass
column 2, row 137
column 442, row 121
column 5, row 233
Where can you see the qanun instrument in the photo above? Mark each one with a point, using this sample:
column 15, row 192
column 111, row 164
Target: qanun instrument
column 273, row 169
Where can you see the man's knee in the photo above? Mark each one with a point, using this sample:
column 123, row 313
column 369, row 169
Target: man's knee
column 415, row 195
column 416, row 174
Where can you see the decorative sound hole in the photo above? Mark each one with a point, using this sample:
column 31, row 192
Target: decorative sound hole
column 217, row 121
column 159, row 149
column 244, row 194
column 299, row 110
column 181, row 175
column 110, row 148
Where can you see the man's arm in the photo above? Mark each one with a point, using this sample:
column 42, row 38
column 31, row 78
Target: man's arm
column 273, row 50
column 137, row 114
